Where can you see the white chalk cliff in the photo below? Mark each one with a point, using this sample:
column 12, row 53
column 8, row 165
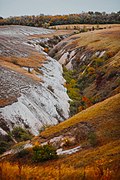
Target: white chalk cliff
column 38, row 104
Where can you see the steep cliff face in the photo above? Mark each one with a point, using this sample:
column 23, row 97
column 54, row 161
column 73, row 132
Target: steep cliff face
column 32, row 88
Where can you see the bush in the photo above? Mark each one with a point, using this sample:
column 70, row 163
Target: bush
column 99, row 62
column 3, row 146
column 91, row 70
column 92, row 138
column 84, row 29
column 72, row 89
column 44, row 153
column 21, row 134
column 22, row 153
column 74, row 107
column 93, row 28
column 112, row 73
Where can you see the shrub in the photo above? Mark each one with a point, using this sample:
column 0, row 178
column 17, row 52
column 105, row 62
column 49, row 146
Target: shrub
column 44, row 153
column 84, row 29
column 22, row 153
column 113, row 73
column 99, row 62
column 92, row 138
column 93, row 28
column 3, row 146
column 72, row 89
column 86, row 102
column 74, row 93
column 21, row 134
column 97, row 27
column 91, row 70
column 74, row 107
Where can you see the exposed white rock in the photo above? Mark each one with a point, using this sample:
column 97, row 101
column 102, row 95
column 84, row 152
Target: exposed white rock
column 28, row 145
column 69, row 66
column 101, row 54
column 2, row 131
column 97, row 53
column 72, row 54
column 38, row 103
column 63, row 59
column 68, row 151
column 13, row 31
column 59, row 151
column 26, row 68
column 82, row 57
column 56, row 139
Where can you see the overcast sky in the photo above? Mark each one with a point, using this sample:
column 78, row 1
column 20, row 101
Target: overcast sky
column 36, row 7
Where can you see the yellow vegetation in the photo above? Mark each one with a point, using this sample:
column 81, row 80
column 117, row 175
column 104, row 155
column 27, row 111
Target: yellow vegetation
column 72, row 26
column 7, row 101
column 18, row 69
column 107, row 39
column 98, row 164
column 104, row 115
column 34, row 60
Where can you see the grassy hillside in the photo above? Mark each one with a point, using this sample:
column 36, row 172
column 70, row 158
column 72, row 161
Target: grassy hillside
column 104, row 117
column 91, row 162
column 91, row 63
column 94, row 85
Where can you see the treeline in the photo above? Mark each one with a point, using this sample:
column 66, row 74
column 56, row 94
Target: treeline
column 48, row 20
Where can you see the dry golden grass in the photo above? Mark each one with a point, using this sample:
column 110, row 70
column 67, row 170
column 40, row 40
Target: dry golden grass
column 4, row 102
column 19, row 70
column 16, row 64
column 98, row 164
column 104, row 116
column 107, row 39
column 71, row 26
column 115, row 61
column 34, row 60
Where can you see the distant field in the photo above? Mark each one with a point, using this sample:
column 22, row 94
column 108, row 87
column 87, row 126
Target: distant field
column 79, row 26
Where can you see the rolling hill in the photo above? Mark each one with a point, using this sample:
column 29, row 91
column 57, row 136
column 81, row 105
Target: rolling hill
column 36, row 92
column 95, row 130
column 91, row 62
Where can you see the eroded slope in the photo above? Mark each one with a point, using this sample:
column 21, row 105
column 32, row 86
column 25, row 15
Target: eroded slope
column 32, row 91
column 92, row 66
